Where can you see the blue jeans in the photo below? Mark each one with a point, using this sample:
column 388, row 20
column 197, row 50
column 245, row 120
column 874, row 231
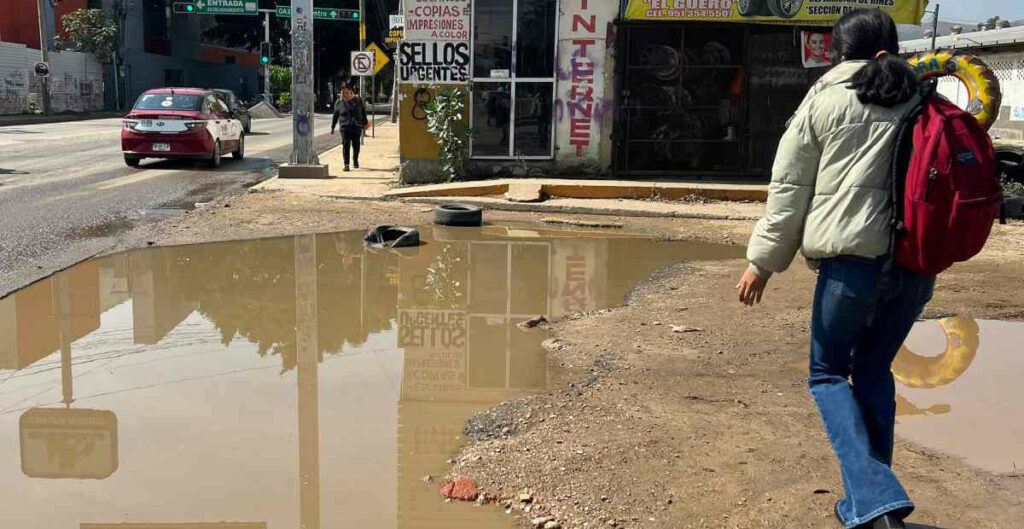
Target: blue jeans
column 863, row 311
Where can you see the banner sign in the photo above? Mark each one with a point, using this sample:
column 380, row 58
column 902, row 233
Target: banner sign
column 437, row 19
column 435, row 48
column 434, row 62
column 796, row 12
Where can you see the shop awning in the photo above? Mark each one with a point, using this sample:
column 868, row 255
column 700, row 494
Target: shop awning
column 795, row 12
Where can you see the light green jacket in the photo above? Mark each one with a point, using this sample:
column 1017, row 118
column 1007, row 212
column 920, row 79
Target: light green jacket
column 829, row 193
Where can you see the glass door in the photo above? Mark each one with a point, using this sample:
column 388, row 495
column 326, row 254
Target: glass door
column 513, row 79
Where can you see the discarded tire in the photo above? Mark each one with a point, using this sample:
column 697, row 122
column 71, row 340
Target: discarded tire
column 392, row 237
column 458, row 215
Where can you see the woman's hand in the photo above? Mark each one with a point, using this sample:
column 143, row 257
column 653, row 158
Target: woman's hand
column 751, row 287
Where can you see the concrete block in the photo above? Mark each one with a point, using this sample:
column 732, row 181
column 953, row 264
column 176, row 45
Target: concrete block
column 524, row 192
column 303, row 171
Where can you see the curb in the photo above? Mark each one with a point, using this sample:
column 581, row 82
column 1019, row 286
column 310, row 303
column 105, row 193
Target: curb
column 574, row 210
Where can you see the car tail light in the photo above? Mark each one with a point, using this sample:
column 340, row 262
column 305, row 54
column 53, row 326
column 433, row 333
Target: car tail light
column 195, row 125
column 130, row 124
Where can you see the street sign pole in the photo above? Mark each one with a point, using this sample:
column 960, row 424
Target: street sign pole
column 266, row 67
column 362, row 41
column 44, row 49
column 373, row 106
column 303, row 151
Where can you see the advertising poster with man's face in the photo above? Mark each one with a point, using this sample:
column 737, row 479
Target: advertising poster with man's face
column 816, row 48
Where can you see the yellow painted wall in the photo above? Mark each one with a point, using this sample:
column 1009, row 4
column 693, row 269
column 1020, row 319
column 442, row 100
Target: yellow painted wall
column 415, row 143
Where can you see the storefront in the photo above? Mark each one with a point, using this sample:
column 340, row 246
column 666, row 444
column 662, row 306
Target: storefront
column 631, row 89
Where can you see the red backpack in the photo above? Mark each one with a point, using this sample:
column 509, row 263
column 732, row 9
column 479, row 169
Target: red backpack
column 946, row 190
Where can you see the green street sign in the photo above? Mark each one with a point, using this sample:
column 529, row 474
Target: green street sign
column 225, row 7
column 323, row 13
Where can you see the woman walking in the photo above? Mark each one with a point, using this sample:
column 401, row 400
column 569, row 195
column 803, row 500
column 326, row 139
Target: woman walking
column 830, row 198
column 351, row 115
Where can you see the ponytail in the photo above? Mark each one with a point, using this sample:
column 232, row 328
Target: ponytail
column 886, row 81
column 870, row 34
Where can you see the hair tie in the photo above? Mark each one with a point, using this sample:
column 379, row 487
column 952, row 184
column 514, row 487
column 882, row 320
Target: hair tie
column 880, row 53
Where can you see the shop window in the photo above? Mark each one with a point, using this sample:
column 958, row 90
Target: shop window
column 513, row 78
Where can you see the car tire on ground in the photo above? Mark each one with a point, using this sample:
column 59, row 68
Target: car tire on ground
column 215, row 157
column 458, row 215
column 239, row 153
column 132, row 161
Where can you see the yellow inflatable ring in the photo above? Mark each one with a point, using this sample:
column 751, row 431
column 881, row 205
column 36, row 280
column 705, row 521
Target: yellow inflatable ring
column 917, row 371
column 983, row 92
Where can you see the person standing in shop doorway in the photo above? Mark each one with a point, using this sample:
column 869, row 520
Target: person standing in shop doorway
column 350, row 114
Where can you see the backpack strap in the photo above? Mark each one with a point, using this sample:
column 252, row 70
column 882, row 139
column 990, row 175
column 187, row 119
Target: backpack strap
column 903, row 151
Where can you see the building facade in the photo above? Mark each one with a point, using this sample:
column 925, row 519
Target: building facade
column 631, row 89
column 1002, row 50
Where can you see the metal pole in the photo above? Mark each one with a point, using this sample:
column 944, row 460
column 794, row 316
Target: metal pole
column 266, row 67
column 935, row 25
column 44, row 49
column 62, row 286
column 303, row 150
column 373, row 106
column 397, row 57
column 362, row 43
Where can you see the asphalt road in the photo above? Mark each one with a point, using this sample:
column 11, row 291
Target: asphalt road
column 66, row 194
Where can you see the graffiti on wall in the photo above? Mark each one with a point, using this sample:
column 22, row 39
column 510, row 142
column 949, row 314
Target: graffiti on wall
column 76, row 81
column 582, row 50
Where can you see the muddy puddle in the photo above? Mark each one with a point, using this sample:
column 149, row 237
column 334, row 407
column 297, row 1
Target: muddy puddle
column 959, row 390
column 296, row 382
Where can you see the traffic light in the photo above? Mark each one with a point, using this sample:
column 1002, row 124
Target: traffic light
column 265, row 53
column 349, row 13
column 184, row 7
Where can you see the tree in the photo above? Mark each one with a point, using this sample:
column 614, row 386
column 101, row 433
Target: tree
column 992, row 23
column 92, row 31
column 280, row 79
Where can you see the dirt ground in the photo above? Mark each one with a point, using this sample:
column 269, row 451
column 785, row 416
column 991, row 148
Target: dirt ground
column 650, row 428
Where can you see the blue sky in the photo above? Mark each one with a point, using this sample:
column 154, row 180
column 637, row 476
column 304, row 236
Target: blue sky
column 979, row 10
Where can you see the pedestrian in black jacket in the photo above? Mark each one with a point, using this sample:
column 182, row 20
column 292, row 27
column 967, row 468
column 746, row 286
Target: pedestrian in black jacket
column 350, row 113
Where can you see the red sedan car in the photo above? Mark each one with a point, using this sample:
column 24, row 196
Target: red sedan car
column 192, row 123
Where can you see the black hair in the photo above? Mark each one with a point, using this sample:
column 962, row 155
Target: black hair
column 887, row 80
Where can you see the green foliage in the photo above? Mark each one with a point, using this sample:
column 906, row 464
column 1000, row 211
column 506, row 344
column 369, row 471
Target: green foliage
column 445, row 121
column 280, row 79
column 284, row 99
column 1011, row 187
column 93, row 31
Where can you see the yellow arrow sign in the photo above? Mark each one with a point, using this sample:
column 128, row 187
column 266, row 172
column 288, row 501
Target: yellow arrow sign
column 380, row 58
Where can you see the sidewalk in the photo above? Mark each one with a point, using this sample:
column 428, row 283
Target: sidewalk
column 377, row 179
column 32, row 119
column 377, row 173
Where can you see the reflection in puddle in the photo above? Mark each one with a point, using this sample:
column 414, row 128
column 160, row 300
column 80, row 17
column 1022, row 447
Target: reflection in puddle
column 289, row 382
column 960, row 393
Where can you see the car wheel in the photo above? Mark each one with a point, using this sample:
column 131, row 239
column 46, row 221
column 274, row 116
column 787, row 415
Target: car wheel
column 132, row 161
column 785, row 8
column 215, row 158
column 239, row 153
column 749, row 8
column 458, row 215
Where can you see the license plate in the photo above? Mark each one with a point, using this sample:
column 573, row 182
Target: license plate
column 161, row 146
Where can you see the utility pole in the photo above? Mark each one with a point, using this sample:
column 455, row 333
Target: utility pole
column 935, row 24
column 44, row 48
column 304, row 162
column 362, row 43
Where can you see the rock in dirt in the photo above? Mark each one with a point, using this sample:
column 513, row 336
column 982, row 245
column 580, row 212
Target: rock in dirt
column 540, row 521
column 684, row 328
column 532, row 322
column 495, row 423
column 460, row 489
column 552, row 344
column 552, row 525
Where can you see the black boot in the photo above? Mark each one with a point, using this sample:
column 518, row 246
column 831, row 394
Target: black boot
column 885, row 521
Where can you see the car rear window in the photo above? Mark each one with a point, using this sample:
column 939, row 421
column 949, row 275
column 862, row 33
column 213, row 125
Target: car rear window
column 169, row 102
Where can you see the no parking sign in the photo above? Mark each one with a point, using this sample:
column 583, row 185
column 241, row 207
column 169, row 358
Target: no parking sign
column 362, row 63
